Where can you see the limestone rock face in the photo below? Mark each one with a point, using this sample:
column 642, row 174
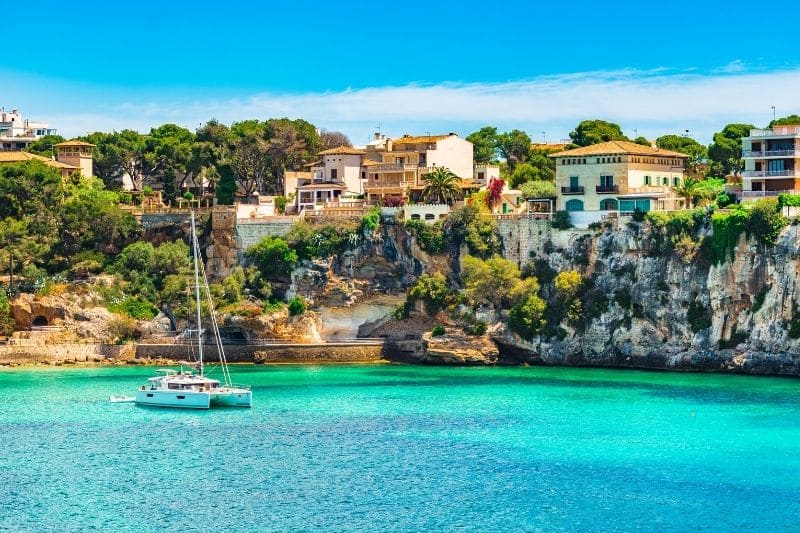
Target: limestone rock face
column 75, row 315
column 749, row 302
column 276, row 325
column 458, row 348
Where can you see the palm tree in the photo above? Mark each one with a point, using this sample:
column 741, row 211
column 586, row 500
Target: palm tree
column 686, row 190
column 441, row 186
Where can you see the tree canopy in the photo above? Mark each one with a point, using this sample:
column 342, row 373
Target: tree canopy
column 484, row 144
column 725, row 152
column 590, row 132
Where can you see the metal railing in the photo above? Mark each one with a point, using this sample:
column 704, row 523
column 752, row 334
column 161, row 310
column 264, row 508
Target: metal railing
column 572, row 190
column 606, row 189
column 747, row 195
column 768, row 173
column 770, row 153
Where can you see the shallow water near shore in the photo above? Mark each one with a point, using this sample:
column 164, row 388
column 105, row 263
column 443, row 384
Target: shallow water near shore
column 404, row 448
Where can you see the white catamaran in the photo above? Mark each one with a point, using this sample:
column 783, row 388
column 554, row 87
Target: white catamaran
column 185, row 388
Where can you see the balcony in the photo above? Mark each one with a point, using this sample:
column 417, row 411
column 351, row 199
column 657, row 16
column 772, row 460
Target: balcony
column 754, row 195
column 391, row 167
column 768, row 173
column 578, row 189
column 776, row 131
column 770, row 153
column 607, row 189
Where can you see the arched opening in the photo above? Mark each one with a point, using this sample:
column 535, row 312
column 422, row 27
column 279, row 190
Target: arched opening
column 609, row 204
column 574, row 205
column 430, row 216
column 39, row 322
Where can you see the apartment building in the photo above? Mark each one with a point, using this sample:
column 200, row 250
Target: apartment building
column 339, row 172
column 396, row 168
column 771, row 161
column 16, row 132
column 617, row 177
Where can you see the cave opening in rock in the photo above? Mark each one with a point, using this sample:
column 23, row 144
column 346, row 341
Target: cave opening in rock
column 39, row 321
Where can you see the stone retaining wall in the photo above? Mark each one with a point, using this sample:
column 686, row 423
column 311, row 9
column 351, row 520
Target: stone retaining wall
column 65, row 353
column 521, row 236
column 278, row 353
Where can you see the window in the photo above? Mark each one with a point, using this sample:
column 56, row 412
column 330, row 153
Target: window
column 334, row 173
column 415, row 216
column 481, row 176
column 629, row 206
column 573, row 182
column 647, row 180
column 430, row 216
column 574, row 205
column 676, row 181
column 608, row 204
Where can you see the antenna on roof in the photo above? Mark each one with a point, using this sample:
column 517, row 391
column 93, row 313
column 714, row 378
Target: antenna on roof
column 544, row 137
column 773, row 112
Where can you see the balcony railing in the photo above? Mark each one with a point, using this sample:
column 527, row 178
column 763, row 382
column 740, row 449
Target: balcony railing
column 578, row 189
column 748, row 195
column 606, row 189
column 770, row 153
column 776, row 131
column 768, row 173
column 389, row 167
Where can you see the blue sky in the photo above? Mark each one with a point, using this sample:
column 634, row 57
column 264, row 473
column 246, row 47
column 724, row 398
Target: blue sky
column 450, row 66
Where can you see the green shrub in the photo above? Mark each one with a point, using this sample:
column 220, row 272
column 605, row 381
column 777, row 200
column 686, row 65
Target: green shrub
column 371, row 220
column 561, row 220
column 728, row 228
column 477, row 228
column 188, row 195
column 699, row 316
column 122, row 329
column 788, row 200
column 135, row 308
column 296, row 306
column 280, row 204
column 438, row 330
column 526, row 319
column 429, row 236
column 273, row 257
column 6, row 320
column 476, row 328
column 766, row 221
column 432, row 290
column 758, row 301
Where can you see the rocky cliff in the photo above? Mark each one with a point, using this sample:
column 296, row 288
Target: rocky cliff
column 657, row 309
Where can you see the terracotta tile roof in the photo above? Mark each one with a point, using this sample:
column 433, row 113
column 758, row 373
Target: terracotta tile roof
column 20, row 157
column 314, row 164
column 342, row 150
column 370, row 163
column 618, row 147
column 409, row 139
column 74, row 143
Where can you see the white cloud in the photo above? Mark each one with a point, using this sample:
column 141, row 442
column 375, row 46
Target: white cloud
column 651, row 102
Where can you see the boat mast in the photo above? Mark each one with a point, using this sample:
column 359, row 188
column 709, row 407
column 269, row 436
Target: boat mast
column 197, row 294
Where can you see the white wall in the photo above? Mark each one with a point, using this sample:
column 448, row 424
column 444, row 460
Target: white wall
column 434, row 212
column 453, row 153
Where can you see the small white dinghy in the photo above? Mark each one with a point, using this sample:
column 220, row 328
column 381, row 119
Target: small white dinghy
column 121, row 399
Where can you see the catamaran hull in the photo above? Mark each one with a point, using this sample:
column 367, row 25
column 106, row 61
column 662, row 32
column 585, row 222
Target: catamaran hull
column 178, row 398
column 233, row 398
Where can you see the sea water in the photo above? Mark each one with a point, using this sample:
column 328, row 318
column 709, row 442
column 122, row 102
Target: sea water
column 407, row 448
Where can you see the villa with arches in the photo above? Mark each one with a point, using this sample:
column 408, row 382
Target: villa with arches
column 617, row 178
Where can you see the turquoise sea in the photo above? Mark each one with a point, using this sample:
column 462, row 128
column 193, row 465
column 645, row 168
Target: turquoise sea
column 406, row 448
